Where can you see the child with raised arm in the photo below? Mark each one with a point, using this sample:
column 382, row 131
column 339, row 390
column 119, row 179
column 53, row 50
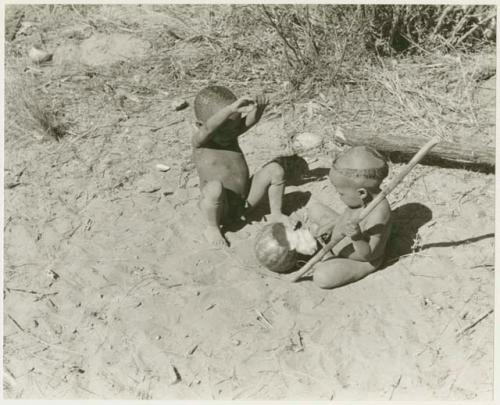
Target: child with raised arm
column 356, row 175
column 227, row 191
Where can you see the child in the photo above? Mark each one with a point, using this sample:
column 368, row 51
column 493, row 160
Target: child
column 356, row 175
column 227, row 192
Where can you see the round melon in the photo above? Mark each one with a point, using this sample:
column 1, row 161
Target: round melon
column 273, row 250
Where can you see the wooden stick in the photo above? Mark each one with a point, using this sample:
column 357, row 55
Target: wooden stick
column 459, row 150
column 484, row 316
column 364, row 213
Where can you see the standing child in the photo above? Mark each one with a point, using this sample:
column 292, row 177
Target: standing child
column 227, row 192
column 356, row 175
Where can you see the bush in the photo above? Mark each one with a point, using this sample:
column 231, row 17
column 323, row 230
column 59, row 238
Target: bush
column 328, row 41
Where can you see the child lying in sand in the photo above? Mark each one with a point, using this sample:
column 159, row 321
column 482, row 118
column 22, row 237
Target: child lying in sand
column 356, row 175
column 227, row 192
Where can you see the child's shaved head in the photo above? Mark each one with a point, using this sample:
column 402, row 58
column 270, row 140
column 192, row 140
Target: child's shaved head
column 210, row 100
column 362, row 165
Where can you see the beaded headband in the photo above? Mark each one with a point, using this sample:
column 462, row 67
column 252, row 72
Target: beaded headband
column 377, row 173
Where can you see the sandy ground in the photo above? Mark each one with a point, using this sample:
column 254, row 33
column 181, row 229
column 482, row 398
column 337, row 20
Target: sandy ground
column 111, row 292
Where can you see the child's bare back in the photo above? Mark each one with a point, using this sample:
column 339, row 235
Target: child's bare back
column 227, row 192
column 227, row 166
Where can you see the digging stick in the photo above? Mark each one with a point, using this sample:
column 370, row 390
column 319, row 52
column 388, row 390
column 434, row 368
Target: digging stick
column 364, row 213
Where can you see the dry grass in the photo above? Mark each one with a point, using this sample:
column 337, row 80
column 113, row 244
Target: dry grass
column 28, row 109
column 330, row 55
column 425, row 98
column 43, row 118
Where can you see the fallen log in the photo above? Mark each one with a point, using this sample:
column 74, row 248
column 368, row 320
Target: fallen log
column 458, row 151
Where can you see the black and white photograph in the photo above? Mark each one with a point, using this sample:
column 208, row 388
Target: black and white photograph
column 249, row 202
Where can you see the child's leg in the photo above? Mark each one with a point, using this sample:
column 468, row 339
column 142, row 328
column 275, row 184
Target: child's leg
column 270, row 178
column 319, row 215
column 338, row 272
column 211, row 205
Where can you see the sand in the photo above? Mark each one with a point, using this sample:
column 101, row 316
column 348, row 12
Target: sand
column 111, row 292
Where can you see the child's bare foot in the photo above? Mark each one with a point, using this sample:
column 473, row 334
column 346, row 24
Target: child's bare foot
column 240, row 235
column 214, row 237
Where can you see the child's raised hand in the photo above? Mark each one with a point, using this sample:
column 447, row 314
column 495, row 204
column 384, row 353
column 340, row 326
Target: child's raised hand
column 262, row 101
column 243, row 105
column 255, row 110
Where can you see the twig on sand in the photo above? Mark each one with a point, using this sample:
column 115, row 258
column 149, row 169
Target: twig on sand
column 394, row 386
column 40, row 340
column 263, row 319
column 487, row 266
column 473, row 324
column 9, row 289
column 9, row 380
column 71, row 232
column 16, row 323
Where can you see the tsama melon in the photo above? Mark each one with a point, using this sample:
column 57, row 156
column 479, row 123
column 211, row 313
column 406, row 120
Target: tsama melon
column 273, row 250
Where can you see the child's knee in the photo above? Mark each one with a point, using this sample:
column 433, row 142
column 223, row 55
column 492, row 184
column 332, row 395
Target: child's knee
column 339, row 272
column 325, row 277
column 212, row 191
column 276, row 173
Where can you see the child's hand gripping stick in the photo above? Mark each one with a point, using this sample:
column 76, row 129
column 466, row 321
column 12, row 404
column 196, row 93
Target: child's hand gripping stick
column 364, row 213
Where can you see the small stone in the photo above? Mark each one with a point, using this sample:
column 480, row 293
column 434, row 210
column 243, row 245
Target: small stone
column 178, row 105
column 38, row 55
column 162, row 168
column 236, row 342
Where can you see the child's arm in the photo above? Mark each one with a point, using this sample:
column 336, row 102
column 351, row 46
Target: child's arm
column 204, row 132
column 367, row 244
column 256, row 113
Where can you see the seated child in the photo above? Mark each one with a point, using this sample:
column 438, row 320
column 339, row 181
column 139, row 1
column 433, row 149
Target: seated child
column 356, row 175
column 227, row 192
